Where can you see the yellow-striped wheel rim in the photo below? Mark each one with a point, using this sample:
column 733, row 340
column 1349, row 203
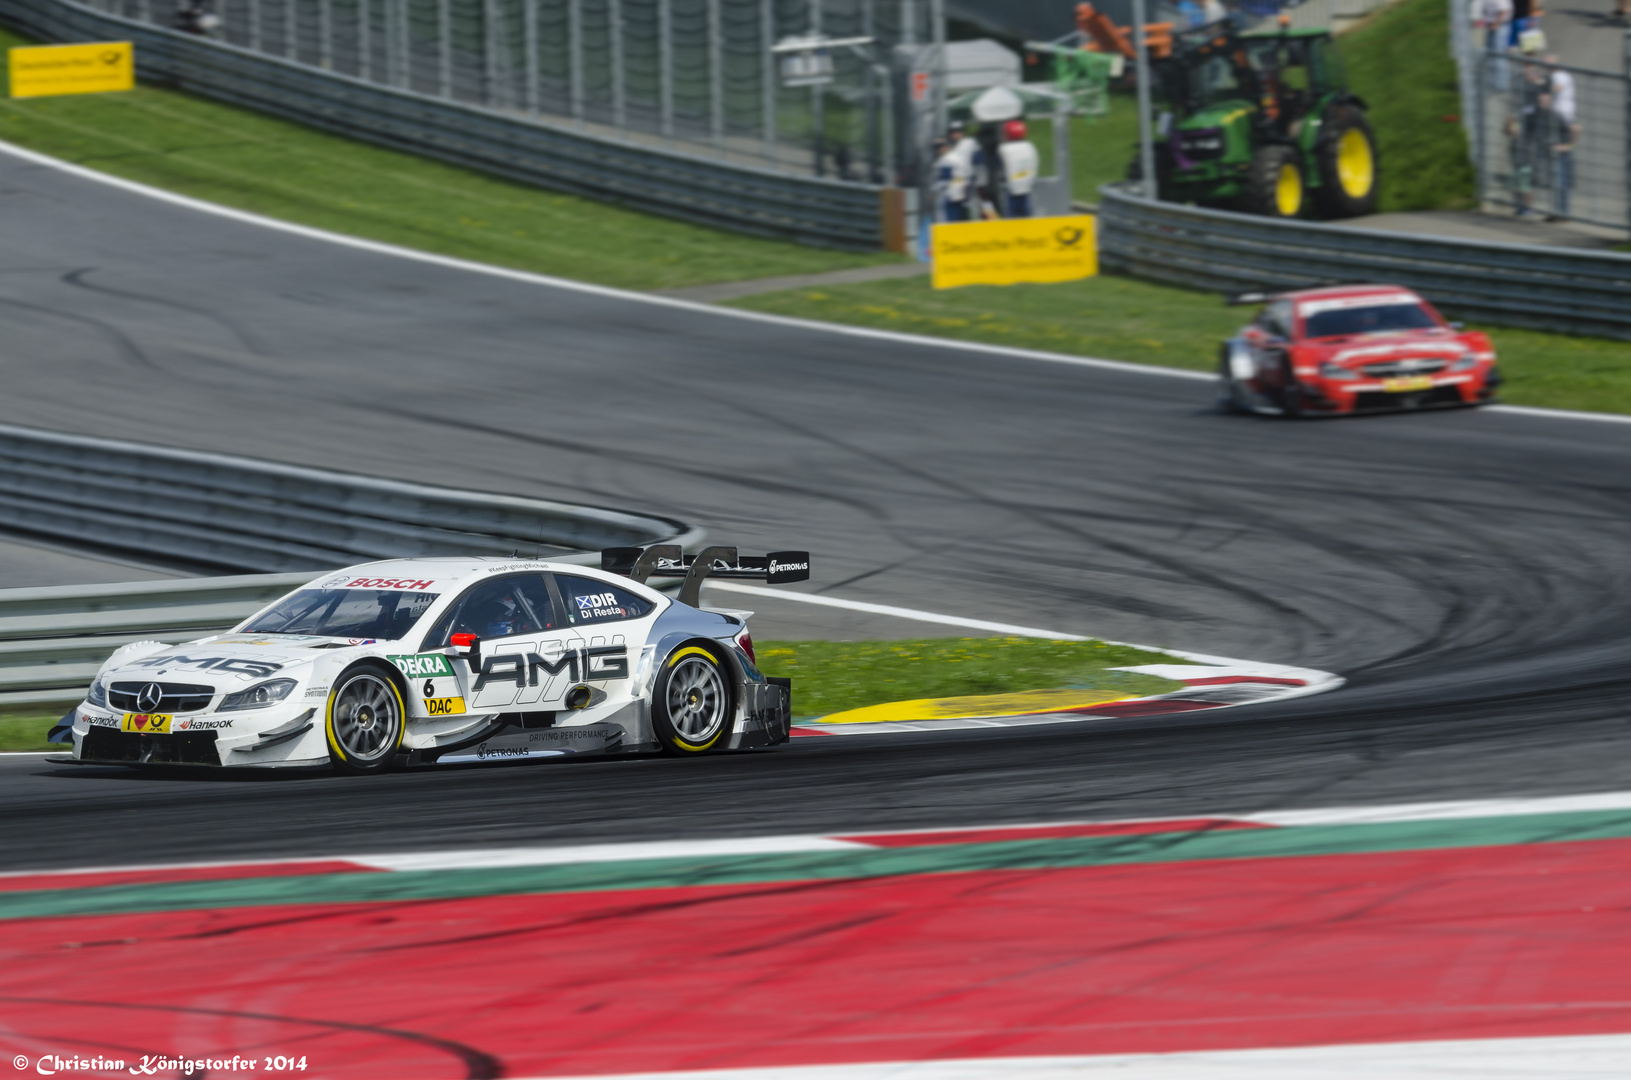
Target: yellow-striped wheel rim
column 1288, row 191
column 1356, row 164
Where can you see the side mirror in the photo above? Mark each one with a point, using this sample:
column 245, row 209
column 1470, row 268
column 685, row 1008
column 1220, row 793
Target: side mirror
column 467, row 647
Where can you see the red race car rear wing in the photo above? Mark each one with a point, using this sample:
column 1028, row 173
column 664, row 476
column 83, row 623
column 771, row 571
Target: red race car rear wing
column 667, row 560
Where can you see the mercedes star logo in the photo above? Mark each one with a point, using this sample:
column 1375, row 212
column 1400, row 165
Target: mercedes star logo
column 150, row 697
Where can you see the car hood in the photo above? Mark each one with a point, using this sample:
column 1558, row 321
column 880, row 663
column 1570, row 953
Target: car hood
column 235, row 659
column 1382, row 348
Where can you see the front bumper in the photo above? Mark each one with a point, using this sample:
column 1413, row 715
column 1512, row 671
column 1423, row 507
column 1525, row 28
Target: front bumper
column 290, row 735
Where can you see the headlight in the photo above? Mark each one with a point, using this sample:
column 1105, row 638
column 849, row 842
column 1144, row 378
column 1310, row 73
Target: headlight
column 1467, row 362
column 1337, row 371
column 98, row 694
column 258, row 696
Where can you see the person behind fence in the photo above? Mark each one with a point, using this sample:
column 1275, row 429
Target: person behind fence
column 1543, row 138
column 1019, row 168
column 1563, row 103
column 951, row 182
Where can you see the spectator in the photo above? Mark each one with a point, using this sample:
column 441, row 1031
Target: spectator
column 1562, row 90
column 1190, row 14
column 1019, row 167
column 1216, row 12
column 1545, row 138
column 1521, row 10
column 951, row 181
column 196, row 17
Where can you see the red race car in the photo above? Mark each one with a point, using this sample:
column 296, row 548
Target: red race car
column 1352, row 348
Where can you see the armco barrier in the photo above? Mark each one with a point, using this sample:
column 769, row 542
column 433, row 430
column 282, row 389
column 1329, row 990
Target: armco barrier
column 1564, row 290
column 742, row 198
column 53, row 640
column 239, row 514
column 235, row 513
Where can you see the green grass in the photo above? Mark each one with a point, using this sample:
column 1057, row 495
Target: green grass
column 1398, row 61
column 253, row 162
column 832, row 676
column 1100, row 147
column 1127, row 319
column 25, row 729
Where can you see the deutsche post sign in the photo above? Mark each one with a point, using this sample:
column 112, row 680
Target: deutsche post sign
column 39, row 70
column 1019, row 249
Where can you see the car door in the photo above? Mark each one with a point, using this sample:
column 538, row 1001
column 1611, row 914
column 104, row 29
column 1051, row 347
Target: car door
column 608, row 624
column 511, row 615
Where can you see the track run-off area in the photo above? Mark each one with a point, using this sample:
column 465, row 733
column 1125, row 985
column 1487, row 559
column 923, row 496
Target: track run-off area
column 1464, row 572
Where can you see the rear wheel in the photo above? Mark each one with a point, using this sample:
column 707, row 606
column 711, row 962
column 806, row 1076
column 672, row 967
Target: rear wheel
column 1291, row 397
column 1231, row 394
column 1274, row 183
column 365, row 721
column 691, row 705
column 1348, row 164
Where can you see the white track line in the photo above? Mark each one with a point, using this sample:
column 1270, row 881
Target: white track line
column 843, row 840
column 1570, row 1057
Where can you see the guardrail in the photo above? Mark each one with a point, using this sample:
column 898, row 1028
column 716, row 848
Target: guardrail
column 810, row 210
column 53, row 640
column 231, row 513
column 1562, row 290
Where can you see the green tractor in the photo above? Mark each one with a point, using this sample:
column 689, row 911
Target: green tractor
column 1262, row 121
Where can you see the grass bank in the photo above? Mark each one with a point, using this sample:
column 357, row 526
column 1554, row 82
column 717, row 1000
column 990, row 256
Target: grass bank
column 24, row 729
column 832, row 676
column 252, row 162
column 1398, row 61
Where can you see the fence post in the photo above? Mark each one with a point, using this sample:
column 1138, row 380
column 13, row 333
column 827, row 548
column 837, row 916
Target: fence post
column 531, row 12
column 365, row 46
column 444, row 48
column 489, row 54
column 665, row 70
column 818, row 101
column 255, row 25
column 767, row 76
column 290, row 46
column 325, row 33
column 1625, row 87
column 716, row 78
column 614, row 16
column 574, row 15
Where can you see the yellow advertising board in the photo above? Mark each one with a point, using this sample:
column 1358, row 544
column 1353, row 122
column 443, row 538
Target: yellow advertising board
column 1018, row 249
column 39, row 70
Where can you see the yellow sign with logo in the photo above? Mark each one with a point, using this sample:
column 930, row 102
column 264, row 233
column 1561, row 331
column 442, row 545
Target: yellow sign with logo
column 1019, row 249
column 40, row 70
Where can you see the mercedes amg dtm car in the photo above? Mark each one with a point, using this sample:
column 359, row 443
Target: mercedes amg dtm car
column 1354, row 348
column 451, row 660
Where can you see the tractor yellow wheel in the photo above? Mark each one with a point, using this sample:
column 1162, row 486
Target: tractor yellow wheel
column 1356, row 165
column 1288, row 191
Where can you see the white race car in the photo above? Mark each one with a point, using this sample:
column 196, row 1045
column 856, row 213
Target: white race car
column 453, row 660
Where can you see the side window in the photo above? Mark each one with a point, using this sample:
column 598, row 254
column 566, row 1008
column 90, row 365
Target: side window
column 497, row 609
column 590, row 601
column 1276, row 318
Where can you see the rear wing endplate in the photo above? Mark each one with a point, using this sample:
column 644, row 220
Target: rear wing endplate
column 668, row 561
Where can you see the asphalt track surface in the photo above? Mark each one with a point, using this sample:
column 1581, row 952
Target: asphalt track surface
column 1466, row 571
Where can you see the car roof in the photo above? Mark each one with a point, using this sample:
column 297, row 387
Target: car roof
column 1346, row 292
column 442, row 573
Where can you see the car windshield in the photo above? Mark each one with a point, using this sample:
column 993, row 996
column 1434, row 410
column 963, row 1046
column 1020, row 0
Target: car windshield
column 1368, row 320
column 381, row 614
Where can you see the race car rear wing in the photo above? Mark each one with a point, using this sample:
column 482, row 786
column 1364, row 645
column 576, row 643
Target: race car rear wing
column 668, row 561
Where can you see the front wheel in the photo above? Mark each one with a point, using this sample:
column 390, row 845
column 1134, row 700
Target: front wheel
column 691, row 706
column 1274, row 183
column 365, row 721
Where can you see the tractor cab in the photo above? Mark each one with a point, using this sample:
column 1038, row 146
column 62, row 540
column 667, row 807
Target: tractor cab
column 1262, row 121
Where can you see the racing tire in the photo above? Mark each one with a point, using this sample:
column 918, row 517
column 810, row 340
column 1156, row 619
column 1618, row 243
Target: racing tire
column 365, row 720
column 1274, row 183
column 691, row 703
column 1291, row 397
column 1349, row 172
column 1231, row 398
